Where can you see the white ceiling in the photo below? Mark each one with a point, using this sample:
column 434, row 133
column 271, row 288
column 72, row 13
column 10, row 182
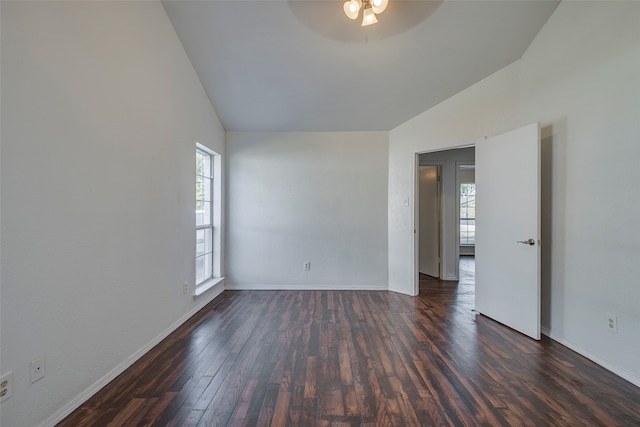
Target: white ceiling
column 304, row 66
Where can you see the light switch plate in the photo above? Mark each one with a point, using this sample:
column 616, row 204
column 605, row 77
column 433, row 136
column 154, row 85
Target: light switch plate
column 37, row 369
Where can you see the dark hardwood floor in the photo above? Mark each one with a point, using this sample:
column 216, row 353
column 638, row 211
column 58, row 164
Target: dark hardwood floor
column 343, row 358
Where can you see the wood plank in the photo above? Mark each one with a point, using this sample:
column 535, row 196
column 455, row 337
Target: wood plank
column 365, row 358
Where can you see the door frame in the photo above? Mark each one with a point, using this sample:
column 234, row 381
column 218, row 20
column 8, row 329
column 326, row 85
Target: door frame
column 415, row 211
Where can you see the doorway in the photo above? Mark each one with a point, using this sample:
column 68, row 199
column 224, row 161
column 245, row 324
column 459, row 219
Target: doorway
column 507, row 273
column 441, row 241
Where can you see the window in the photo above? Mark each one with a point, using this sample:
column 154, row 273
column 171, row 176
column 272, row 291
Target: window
column 468, row 214
column 204, row 216
column 208, row 219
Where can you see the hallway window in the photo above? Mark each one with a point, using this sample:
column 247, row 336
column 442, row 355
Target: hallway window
column 467, row 214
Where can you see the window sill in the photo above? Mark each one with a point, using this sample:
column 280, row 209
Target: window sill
column 205, row 286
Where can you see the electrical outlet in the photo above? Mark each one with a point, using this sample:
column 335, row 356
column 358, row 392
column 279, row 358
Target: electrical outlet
column 612, row 323
column 6, row 386
column 185, row 288
column 37, row 369
column 306, row 266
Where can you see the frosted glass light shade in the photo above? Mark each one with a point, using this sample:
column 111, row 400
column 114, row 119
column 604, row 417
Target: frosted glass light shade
column 368, row 17
column 352, row 7
column 379, row 6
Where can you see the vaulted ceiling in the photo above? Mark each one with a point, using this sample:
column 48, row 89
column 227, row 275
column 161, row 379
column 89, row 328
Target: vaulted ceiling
column 304, row 66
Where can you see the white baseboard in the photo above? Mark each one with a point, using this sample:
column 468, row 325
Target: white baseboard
column 232, row 287
column 98, row 385
column 621, row 372
column 399, row 291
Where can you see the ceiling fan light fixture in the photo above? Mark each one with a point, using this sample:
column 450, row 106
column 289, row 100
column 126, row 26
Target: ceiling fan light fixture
column 370, row 8
column 352, row 7
column 368, row 17
column 379, row 6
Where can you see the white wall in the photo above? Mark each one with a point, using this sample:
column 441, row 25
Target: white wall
column 101, row 110
column 581, row 79
column 296, row 197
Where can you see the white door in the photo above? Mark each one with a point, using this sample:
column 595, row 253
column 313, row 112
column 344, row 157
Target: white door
column 429, row 223
column 508, row 229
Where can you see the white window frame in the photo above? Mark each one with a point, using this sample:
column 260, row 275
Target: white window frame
column 460, row 218
column 214, row 223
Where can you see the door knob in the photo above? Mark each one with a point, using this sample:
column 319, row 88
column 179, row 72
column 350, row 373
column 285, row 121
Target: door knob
column 529, row 242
